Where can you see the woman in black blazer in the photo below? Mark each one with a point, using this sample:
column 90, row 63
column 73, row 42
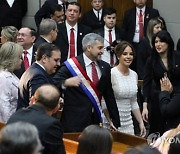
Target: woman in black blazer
column 160, row 64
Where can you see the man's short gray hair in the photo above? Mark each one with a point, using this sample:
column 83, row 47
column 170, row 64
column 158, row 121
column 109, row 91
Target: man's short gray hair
column 90, row 39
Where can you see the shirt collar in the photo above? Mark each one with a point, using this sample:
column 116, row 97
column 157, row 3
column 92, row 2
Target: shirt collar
column 87, row 61
column 69, row 27
column 95, row 11
column 138, row 9
column 30, row 50
column 107, row 29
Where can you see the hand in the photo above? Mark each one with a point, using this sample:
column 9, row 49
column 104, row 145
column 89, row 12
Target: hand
column 145, row 113
column 72, row 82
column 142, row 129
column 113, row 128
column 166, row 84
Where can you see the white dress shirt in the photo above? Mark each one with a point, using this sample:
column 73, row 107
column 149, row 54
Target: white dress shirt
column 96, row 13
column 75, row 36
column 136, row 35
column 10, row 2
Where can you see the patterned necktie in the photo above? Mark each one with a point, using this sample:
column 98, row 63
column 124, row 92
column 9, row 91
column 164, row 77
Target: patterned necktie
column 141, row 26
column 26, row 61
column 94, row 73
column 111, row 53
column 72, row 43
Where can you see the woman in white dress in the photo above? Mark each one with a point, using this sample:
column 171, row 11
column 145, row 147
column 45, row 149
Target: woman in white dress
column 10, row 59
column 124, row 83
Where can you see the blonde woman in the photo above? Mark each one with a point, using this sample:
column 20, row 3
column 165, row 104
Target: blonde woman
column 9, row 33
column 10, row 60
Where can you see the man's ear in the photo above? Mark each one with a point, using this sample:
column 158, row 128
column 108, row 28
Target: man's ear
column 56, row 108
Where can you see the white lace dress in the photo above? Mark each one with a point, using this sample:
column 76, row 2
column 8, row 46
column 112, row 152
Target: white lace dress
column 125, row 91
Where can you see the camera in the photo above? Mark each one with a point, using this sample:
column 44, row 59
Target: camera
column 112, row 46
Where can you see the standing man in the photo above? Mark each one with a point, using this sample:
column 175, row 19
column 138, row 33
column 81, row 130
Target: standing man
column 135, row 23
column 71, row 33
column 111, row 33
column 47, row 31
column 40, row 115
column 94, row 17
column 12, row 12
column 85, row 79
column 47, row 60
column 45, row 11
column 26, row 38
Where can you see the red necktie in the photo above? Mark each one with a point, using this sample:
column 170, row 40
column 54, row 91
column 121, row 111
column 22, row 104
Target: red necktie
column 111, row 54
column 26, row 61
column 94, row 73
column 72, row 43
column 141, row 26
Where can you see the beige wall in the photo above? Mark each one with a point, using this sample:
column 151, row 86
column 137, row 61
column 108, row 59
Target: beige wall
column 170, row 11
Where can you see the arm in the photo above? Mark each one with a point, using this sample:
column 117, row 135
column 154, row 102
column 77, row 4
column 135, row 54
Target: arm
column 110, row 99
column 147, row 82
column 8, row 98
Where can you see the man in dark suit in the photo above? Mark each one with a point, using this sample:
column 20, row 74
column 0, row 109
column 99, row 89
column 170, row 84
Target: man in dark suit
column 47, row 61
column 40, row 114
column 131, row 24
column 12, row 12
column 63, row 41
column 45, row 11
column 79, row 110
column 47, row 31
column 94, row 17
column 26, row 38
column 110, row 32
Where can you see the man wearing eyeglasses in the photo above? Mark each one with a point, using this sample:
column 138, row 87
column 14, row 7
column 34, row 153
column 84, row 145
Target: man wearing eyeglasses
column 26, row 38
column 47, row 61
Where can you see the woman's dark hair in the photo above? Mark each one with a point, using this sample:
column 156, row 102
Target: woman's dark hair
column 164, row 36
column 95, row 140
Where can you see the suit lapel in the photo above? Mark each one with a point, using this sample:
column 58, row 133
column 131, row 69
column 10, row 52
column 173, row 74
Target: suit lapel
column 64, row 32
column 33, row 55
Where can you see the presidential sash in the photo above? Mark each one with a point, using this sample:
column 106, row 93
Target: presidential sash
column 87, row 85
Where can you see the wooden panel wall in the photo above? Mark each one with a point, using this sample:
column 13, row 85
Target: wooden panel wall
column 120, row 5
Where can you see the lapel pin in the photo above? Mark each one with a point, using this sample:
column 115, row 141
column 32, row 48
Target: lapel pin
column 80, row 33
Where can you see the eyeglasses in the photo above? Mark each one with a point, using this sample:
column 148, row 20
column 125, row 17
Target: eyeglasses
column 23, row 35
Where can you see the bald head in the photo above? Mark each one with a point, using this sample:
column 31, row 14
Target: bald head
column 47, row 95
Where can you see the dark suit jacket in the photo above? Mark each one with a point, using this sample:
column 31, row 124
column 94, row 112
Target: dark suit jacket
column 33, row 78
column 77, row 111
column 12, row 16
column 39, row 41
column 49, row 128
column 129, row 21
column 22, row 69
column 45, row 11
column 62, row 39
column 90, row 19
column 170, row 108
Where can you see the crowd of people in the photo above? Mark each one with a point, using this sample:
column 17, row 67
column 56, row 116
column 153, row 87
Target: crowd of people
column 91, row 66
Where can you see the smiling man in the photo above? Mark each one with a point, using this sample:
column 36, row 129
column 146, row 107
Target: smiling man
column 84, row 85
column 71, row 33
column 47, row 61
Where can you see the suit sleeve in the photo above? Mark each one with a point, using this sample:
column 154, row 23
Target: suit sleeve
column 53, row 139
column 147, row 80
column 169, row 106
column 35, row 83
column 110, row 99
column 43, row 12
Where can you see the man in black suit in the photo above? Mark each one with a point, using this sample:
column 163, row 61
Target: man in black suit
column 40, row 114
column 12, row 12
column 47, row 60
column 131, row 24
column 94, row 17
column 26, row 38
column 110, row 32
column 45, row 11
column 47, row 31
column 79, row 110
column 63, row 41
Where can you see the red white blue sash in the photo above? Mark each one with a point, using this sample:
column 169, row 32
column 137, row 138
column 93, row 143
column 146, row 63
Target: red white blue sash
column 87, row 85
